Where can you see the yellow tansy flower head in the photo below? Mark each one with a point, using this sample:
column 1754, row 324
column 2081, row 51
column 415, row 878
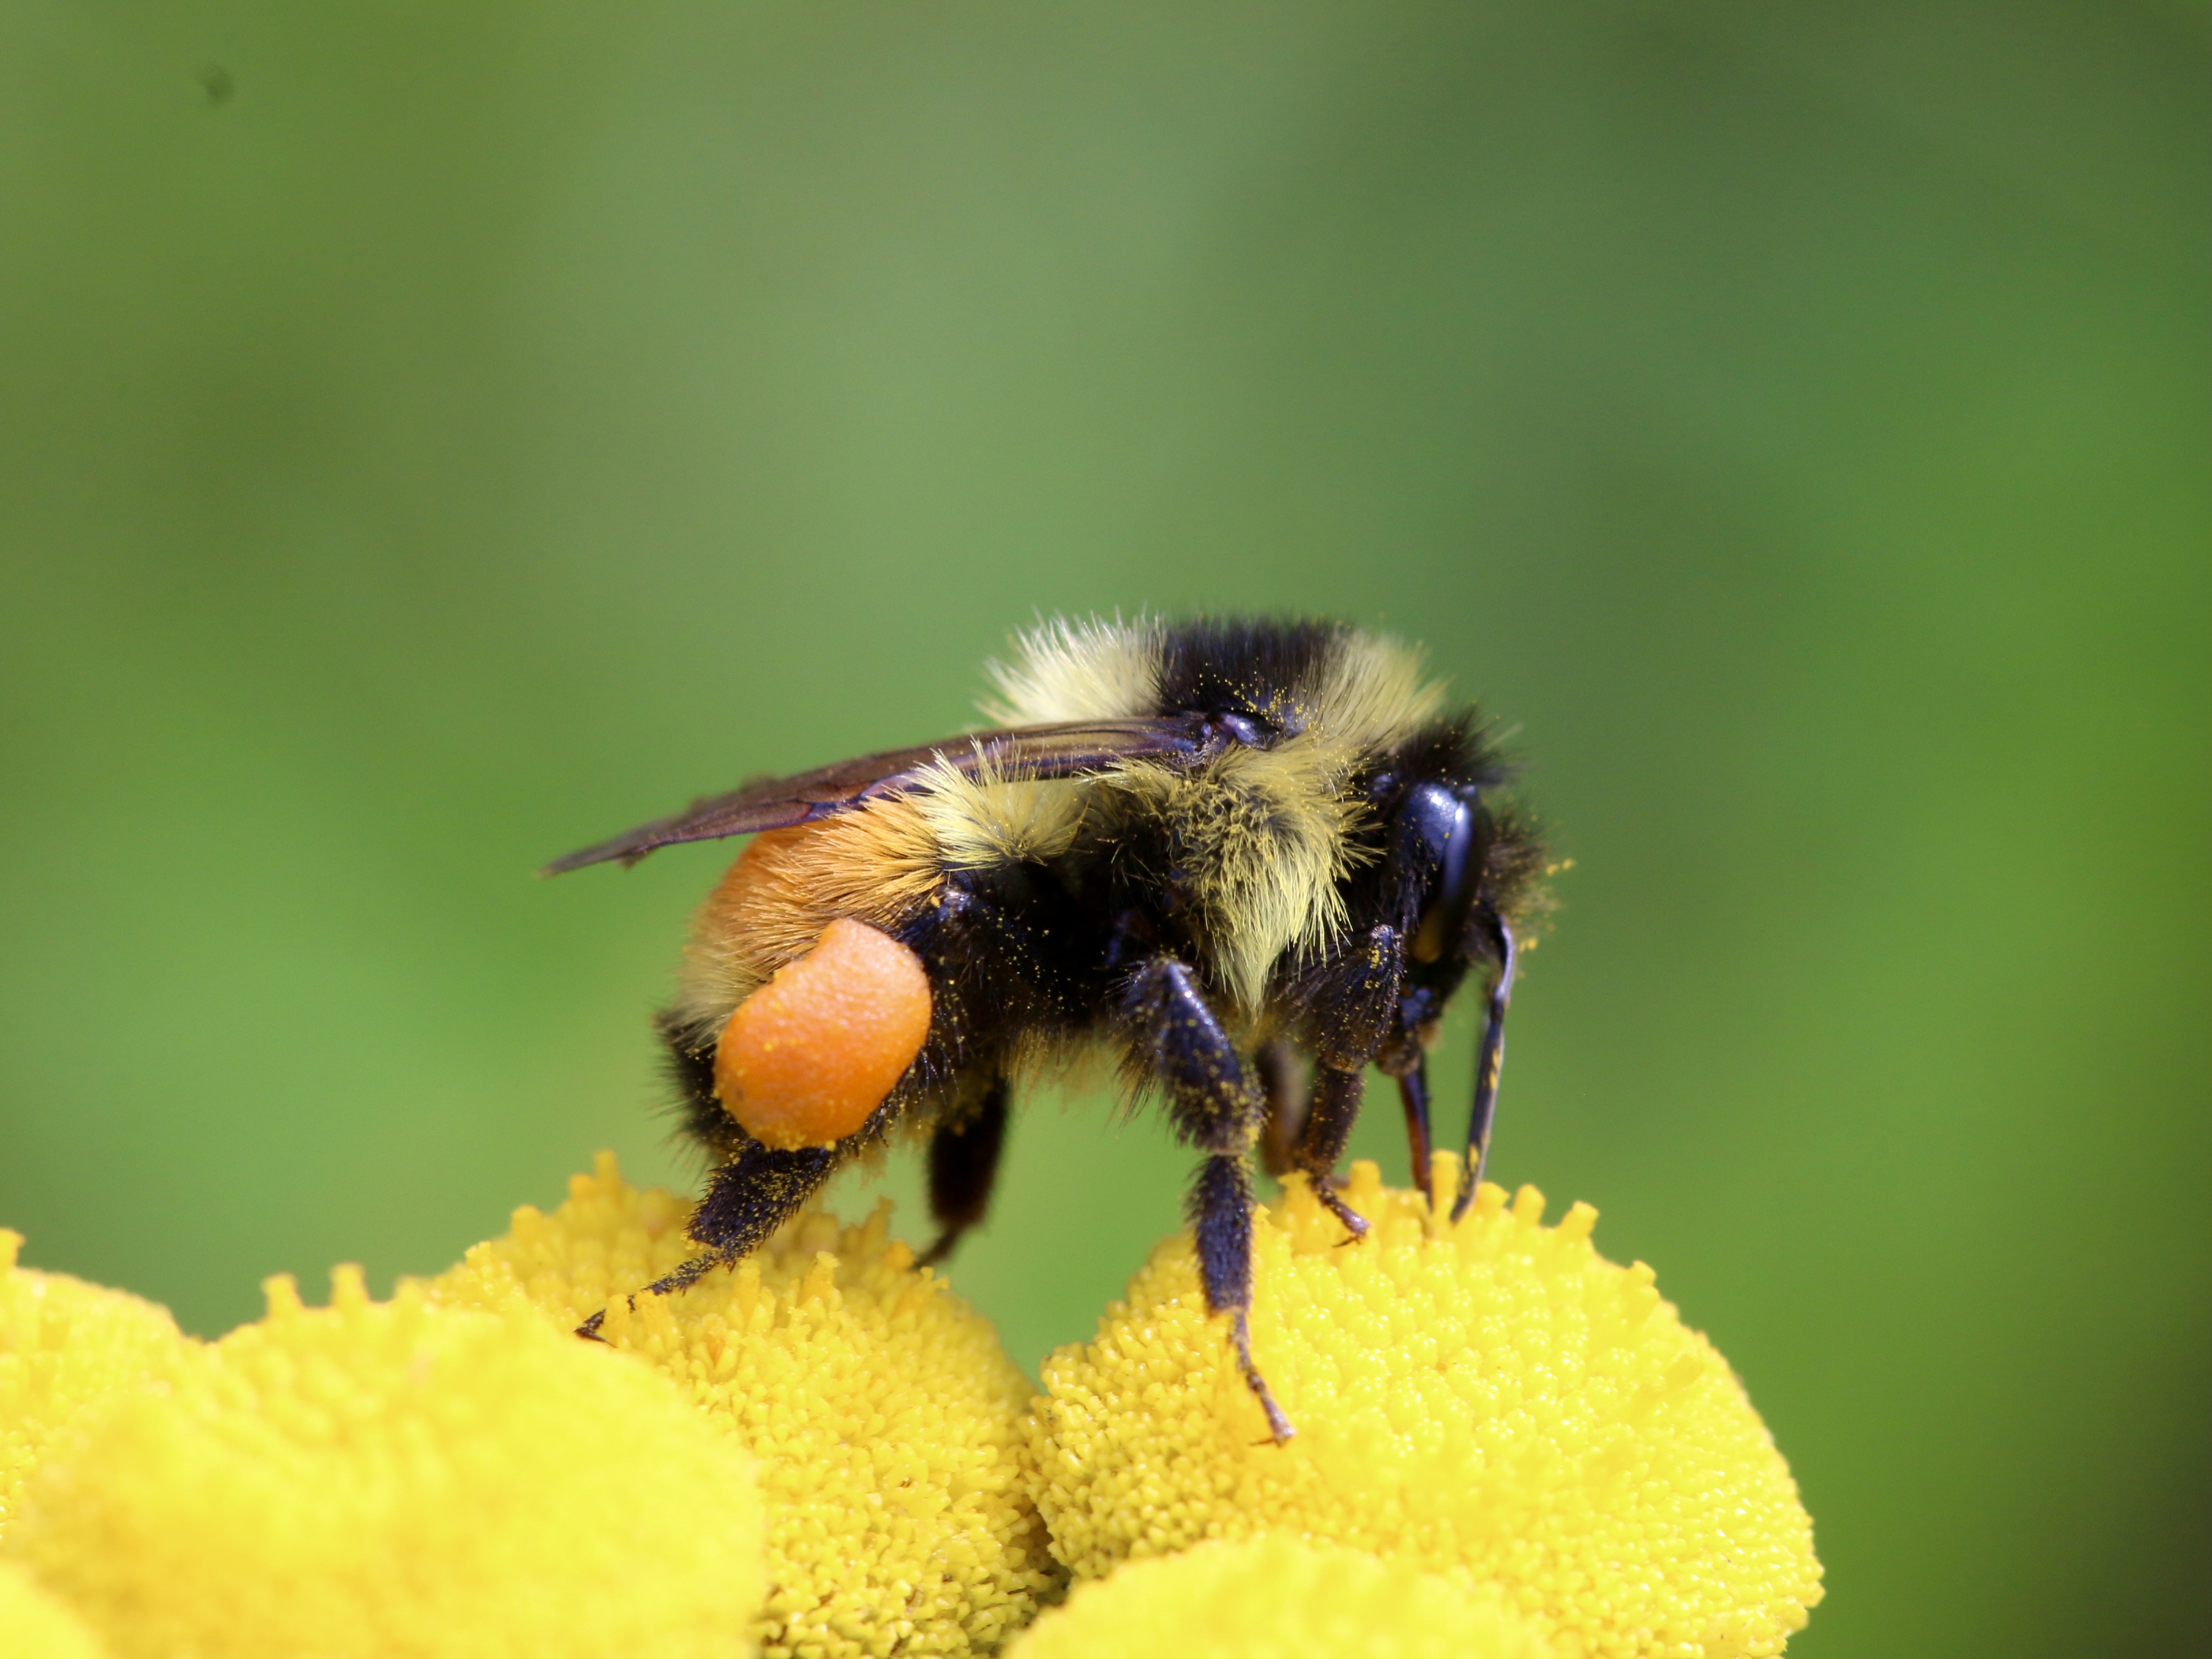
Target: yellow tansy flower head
column 1491, row 1399
column 886, row 1419
column 65, row 1346
column 35, row 1625
column 1276, row 1598
column 398, row 1482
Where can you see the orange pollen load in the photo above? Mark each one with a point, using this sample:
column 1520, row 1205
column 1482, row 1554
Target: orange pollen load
column 809, row 1055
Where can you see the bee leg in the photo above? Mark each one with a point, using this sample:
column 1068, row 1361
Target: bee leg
column 1221, row 1216
column 1320, row 1143
column 963, row 1162
column 753, row 1194
column 1354, row 1002
column 749, row 1197
column 1414, row 1096
column 1279, row 1131
column 1489, row 1060
column 1173, row 1038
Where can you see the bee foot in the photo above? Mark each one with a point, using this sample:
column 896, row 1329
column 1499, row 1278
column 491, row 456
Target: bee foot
column 1354, row 1223
column 1279, row 1426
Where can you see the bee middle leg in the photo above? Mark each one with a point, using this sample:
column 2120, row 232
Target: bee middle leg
column 1286, row 1109
column 1354, row 1000
column 1174, row 1038
column 1321, row 1142
column 963, row 1163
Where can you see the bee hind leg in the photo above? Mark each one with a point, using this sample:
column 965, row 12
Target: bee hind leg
column 749, row 1198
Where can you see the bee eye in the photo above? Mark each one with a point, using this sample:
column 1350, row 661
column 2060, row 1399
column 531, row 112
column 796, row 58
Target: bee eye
column 1437, row 830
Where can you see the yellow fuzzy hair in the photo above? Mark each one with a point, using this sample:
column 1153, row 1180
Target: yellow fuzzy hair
column 1267, row 831
column 997, row 816
column 1265, row 834
column 1369, row 691
column 1077, row 670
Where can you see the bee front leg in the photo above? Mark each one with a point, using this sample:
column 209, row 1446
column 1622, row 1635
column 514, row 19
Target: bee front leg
column 1490, row 1059
column 1173, row 1037
column 1413, row 1097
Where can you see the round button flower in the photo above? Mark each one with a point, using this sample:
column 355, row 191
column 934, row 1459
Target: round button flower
column 399, row 1481
column 1491, row 1400
column 35, row 1625
column 1275, row 1597
column 885, row 1417
column 66, row 1347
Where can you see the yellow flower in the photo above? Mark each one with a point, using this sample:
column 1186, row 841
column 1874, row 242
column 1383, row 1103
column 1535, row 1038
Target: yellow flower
column 65, row 1346
column 398, row 1482
column 1275, row 1597
column 885, row 1416
column 1492, row 1399
column 34, row 1625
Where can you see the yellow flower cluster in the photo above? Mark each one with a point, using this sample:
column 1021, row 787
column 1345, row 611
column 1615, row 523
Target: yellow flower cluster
column 65, row 1346
column 1491, row 1399
column 36, row 1624
column 885, row 1416
column 1507, row 1447
column 380, row 1479
column 1277, row 1597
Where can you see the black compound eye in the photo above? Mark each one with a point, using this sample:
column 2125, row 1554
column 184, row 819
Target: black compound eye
column 1439, row 830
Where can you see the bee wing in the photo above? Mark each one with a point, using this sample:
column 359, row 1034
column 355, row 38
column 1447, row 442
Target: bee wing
column 1034, row 751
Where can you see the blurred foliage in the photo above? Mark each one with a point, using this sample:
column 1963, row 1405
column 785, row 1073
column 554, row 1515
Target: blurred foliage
column 434, row 437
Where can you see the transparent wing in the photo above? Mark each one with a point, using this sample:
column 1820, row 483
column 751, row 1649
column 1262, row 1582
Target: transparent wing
column 1036, row 751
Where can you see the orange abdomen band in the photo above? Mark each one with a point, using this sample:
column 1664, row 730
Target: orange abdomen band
column 809, row 1055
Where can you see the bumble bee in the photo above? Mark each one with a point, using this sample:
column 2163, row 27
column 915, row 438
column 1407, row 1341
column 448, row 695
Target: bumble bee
column 1205, row 846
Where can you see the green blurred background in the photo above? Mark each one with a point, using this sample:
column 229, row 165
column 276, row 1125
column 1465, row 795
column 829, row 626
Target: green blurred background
column 434, row 437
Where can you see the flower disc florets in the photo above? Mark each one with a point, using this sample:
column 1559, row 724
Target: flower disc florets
column 35, row 1624
column 65, row 1347
column 1489, row 1398
column 886, row 1419
column 398, row 1482
column 1276, row 1598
